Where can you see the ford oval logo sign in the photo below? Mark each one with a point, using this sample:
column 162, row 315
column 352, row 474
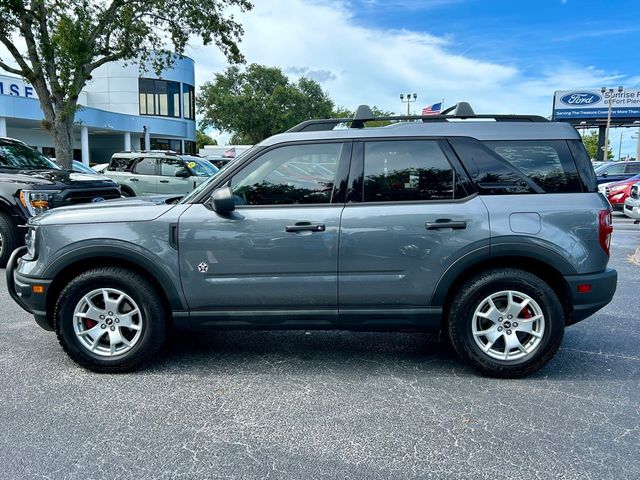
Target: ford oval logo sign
column 97, row 199
column 580, row 98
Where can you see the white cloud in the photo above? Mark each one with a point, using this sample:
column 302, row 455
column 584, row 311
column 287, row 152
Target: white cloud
column 373, row 66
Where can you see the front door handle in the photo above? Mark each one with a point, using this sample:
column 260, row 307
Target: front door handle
column 134, row 180
column 305, row 227
column 445, row 223
column 164, row 181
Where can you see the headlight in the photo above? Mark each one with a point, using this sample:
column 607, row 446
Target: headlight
column 36, row 201
column 30, row 242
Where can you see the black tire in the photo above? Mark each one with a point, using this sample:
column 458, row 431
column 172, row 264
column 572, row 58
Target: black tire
column 474, row 293
column 153, row 320
column 126, row 192
column 9, row 239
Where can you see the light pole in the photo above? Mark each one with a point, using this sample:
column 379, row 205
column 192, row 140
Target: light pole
column 620, row 145
column 408, row 100
column 604, row 90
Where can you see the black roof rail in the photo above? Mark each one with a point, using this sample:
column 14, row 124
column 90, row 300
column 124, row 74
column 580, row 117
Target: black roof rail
column 460, row 111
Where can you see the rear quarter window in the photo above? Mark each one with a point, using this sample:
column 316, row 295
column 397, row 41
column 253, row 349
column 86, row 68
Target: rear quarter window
column 549, row 164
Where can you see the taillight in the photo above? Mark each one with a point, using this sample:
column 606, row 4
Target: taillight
column 605, row 227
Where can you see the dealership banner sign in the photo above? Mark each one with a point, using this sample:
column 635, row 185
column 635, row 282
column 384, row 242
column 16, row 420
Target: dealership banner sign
column 589, row 104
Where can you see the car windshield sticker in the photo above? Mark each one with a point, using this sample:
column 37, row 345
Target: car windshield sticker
column 191, row 164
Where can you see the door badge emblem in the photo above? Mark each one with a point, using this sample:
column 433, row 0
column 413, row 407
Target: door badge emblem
column 203, row 267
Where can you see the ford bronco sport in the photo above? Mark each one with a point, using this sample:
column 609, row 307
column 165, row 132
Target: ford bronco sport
column 489, row 229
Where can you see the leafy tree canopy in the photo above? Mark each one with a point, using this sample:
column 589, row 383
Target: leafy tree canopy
column 260, row 101
column 203, row 139
column 590, row 141
column 65, row 41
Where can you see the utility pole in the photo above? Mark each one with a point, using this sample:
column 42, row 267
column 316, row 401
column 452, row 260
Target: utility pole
column 604, row 90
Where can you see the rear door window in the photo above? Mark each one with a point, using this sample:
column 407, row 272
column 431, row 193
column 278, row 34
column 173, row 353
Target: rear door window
column 408, row 170
column 633, row 167
column 121, row 164
column 146, row 166
column 549, row 164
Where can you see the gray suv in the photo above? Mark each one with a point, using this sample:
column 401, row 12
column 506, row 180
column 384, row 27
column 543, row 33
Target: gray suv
column 488, row 229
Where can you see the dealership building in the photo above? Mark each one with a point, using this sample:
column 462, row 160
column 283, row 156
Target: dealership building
column 122, row 109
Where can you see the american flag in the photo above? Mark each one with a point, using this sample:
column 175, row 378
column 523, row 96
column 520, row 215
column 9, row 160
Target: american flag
column 230, row 153
column 432, row 109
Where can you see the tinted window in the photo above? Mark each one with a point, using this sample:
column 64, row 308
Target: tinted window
column 159, row 97
column 616, row 169
column 584, row 165
column 118, row 164
column 146, row 166
column 633, row 167
column 548, row 163
column 397, row 171
column 295, row 174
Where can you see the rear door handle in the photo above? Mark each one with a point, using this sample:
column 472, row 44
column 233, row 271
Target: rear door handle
column 134, row 180
column 164, row 181
column 445, row 223
column 305, row 227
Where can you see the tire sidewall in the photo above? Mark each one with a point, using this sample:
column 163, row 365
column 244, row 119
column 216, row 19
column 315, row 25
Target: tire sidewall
column 462, row 320
column 152, row 321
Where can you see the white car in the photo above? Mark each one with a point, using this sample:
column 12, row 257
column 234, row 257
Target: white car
column 632, row 203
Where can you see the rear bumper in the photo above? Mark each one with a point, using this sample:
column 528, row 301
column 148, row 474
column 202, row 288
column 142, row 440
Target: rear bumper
column 21, row 290
column 603, row 286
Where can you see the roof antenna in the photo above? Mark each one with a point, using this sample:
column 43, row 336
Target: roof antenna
column 460, row 109
column 363, row 114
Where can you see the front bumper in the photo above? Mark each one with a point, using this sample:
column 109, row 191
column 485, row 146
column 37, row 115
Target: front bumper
column 632, row 208
column 603, row 286
column 21, row 290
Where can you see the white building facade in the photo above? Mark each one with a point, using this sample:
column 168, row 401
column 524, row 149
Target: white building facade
column 122, row 109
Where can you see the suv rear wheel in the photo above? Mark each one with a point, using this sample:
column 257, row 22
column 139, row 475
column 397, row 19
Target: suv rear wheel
column 506, row 323
column 110, row 320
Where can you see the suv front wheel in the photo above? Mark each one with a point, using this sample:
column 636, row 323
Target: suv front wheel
column 506, row 323
column 110, row 320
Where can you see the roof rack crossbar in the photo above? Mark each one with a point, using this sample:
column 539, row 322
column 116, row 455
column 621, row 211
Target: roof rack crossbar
column 461, row 111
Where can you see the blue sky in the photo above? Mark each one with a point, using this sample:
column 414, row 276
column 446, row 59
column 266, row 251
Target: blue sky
column 530, row 34
column 502, row 56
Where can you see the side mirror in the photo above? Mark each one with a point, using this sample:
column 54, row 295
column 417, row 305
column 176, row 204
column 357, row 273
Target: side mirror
column 183, row 173
column 605, row 174
column 223, row 200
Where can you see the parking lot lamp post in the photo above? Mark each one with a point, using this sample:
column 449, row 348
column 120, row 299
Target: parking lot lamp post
column 605, row 156
column 409, row 99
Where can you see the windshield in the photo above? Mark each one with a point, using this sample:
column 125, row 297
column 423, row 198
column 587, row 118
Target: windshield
column 200, row 167
column 16, row 155
column 82, row 168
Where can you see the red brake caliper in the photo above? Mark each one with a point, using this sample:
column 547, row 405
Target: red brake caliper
column 88, row 323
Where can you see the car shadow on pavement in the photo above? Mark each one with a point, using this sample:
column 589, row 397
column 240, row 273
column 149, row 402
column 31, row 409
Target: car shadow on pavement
column 340, row 352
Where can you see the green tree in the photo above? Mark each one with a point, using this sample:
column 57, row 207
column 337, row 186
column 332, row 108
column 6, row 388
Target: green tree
column 203, row 139
column 260, row 101
column 67, row 40
column 590, row 141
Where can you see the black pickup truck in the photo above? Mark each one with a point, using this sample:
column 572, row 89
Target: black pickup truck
column 30, row 183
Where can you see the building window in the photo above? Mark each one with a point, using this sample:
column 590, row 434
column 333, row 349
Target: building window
column 159, row 97
column 163, row 144
column 189, row 101
column 190, row 147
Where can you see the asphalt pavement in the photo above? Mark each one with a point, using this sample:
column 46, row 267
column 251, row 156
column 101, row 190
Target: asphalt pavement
column 238, row 405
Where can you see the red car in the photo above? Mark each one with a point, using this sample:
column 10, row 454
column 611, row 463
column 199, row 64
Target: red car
column 618, row 192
